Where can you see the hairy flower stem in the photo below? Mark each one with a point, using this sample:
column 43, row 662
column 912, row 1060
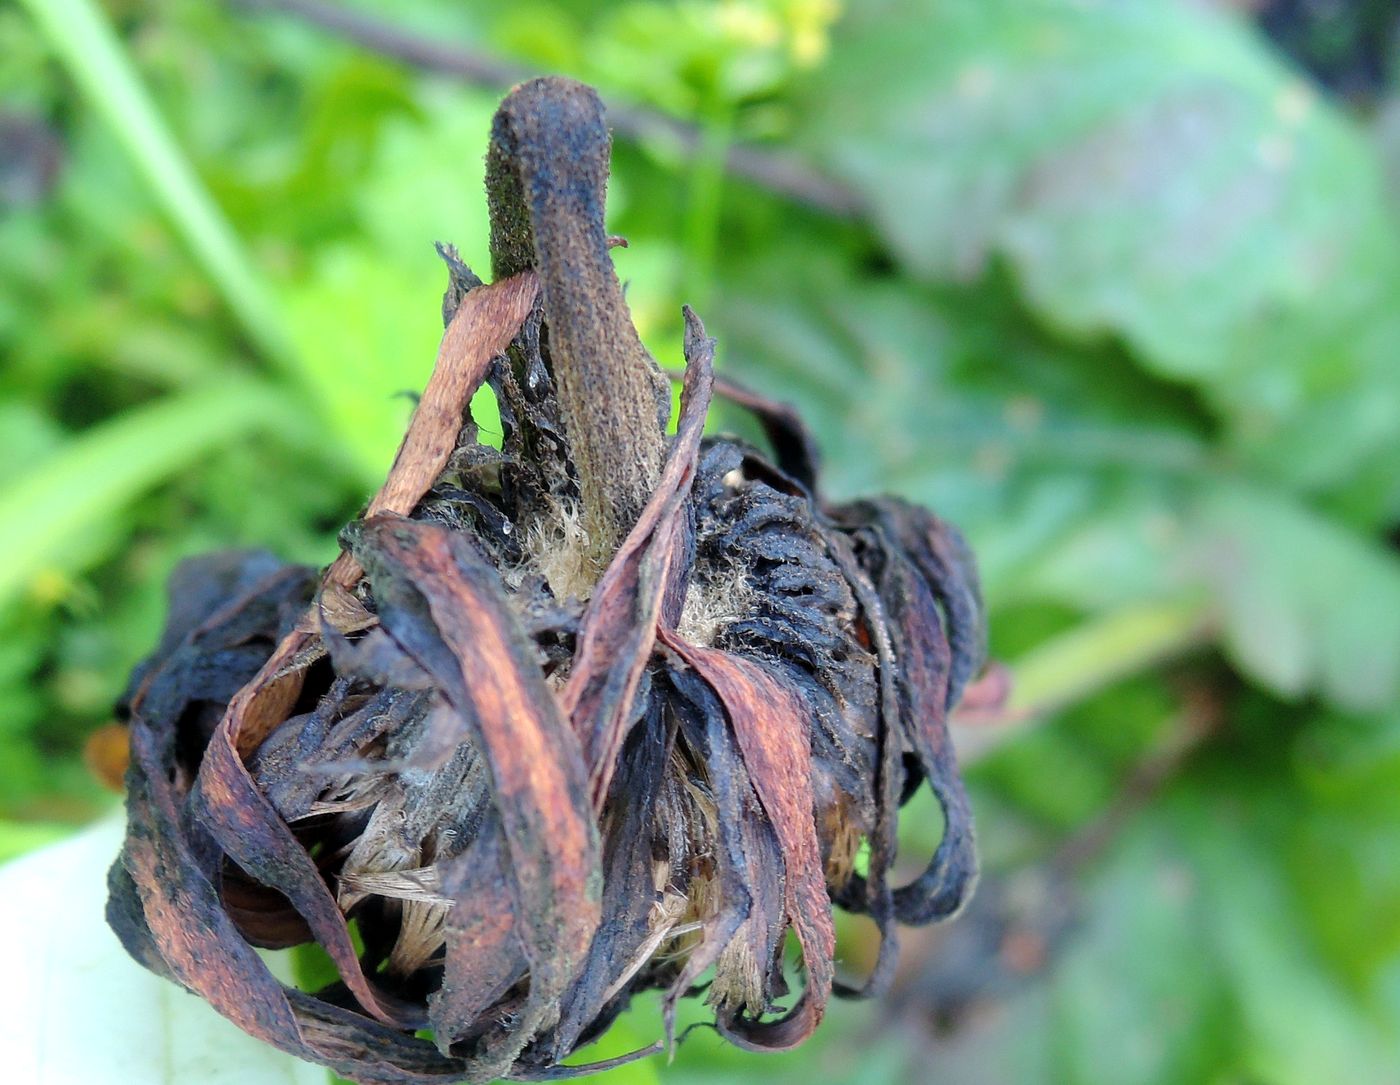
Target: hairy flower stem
column 546, row 178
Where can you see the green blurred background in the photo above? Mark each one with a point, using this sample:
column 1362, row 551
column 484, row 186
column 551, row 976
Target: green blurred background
column 1113, row 285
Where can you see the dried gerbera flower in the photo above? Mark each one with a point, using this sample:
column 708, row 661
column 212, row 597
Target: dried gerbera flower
column 588, row 715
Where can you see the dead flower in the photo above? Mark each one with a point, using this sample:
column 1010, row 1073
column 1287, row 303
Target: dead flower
column 595, row 713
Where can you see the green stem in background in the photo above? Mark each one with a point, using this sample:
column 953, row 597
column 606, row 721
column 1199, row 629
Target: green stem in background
column 85, row 41
column 704, row 201
column 1075, row 664
column 69, row 496
column 1069, row 667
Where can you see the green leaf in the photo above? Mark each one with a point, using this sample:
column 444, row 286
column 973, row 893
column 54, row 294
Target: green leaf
column 1125, row 155
column 21, row 837
column 951, row 398
column 366, row 335
column 1066, row 667
column 426, row 183
column 1149, row 170
column 89, row 1015
column 1192, row 960
column 1194, row 956
column 26, row 434
column 51, row 510
column 365, row 320
column 1299, row 1024
column 1308, row 605
column 1135, row 991
column 1341, row 850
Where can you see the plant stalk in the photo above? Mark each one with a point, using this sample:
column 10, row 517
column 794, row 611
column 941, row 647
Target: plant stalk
column 1083, row 660
column 546, row 179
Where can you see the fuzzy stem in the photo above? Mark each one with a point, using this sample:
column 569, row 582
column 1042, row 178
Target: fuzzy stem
column 546, row 178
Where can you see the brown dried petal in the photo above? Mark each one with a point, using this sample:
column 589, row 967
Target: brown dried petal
column 769, row 722
column 443, row 604
column 619, row 627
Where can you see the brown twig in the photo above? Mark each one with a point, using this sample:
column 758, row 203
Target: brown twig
column 782, row 174
column 956, row 978
column 1200, row 719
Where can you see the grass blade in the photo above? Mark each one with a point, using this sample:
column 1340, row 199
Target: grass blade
column 83, row 38
column 100, row 470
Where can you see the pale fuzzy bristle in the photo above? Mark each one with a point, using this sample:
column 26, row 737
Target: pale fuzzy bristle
column 665, row 914
column 721, row 599
column 422, row 910
column 352, row 794
column 846, row 836
column 557, row 546
column 739, row 976
column 380, row 849
column 422, row 932
column 702, row 821
column 423, row 885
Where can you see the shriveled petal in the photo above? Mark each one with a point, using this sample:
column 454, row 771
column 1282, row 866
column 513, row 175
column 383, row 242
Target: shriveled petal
column 444, row 604
column 769, row 720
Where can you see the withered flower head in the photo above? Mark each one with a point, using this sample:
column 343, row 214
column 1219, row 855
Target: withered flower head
column 596, row 713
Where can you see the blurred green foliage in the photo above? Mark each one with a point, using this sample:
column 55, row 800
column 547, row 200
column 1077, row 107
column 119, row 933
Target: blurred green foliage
column 1123, row 301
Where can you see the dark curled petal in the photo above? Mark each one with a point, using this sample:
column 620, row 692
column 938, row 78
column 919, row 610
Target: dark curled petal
column 197, row 669
column 629, row 895
column 941, row 556
column 443, row 604
column 366, row 1051
column 484, row 957
column 263, row 916
column 567, row 1072
column 873, row 894
column 751, row 885
column 793, row 445
column 924, row 665
column 481, row 328
column 619, row 626
column 250, row 831
column 207, row 955
column 800, row 617
column 768, row 719
column 198, row 588
column 126, row 915
column 164, row 905
column 483, row 325
column 948, row 881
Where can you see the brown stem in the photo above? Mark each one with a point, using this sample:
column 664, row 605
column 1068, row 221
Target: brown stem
column 546, row 177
